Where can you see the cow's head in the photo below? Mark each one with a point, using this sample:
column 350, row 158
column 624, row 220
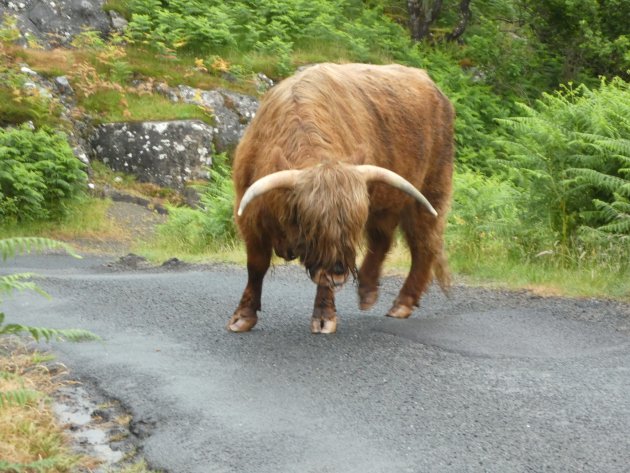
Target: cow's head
column 326, row 212
column 328, row 207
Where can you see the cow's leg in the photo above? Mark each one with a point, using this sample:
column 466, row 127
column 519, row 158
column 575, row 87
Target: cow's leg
column 324, row 319
column 258, row 261
column 423, row 233
column 380, row 232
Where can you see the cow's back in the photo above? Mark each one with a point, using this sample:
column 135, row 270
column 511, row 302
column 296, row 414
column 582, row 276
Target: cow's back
column 392, row 116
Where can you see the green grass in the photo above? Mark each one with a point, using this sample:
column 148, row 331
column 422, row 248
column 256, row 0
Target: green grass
column 86, row 219
column 546, row 278
column 181, row 70
column 15, row 109
column 113, row 106
column 160, row 251
column 188, row 245
column 608, row 278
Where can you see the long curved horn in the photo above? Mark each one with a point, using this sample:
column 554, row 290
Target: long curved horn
column 376, row 173
column 280, row 179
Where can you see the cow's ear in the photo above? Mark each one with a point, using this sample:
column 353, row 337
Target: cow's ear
column 279, row 160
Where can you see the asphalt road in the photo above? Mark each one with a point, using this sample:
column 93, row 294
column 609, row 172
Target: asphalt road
column 481, row 381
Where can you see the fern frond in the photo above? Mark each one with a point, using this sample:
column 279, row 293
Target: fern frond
column 621, row 227
column 616, row 216
column 617, row 145
column 10, row 247
column 14, row 282
column 602, row 181
column 39, row 333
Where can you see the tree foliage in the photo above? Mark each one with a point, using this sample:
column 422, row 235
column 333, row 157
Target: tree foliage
column 588, row 38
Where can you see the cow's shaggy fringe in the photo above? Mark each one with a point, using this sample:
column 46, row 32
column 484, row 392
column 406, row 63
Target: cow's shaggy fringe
column 330, row 228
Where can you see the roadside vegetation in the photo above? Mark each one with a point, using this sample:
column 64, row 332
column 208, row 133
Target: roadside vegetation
column 542, row 186
column 31, row 439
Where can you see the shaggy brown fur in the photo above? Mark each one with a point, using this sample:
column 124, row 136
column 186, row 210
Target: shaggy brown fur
column 330, row 229
column 319, row 120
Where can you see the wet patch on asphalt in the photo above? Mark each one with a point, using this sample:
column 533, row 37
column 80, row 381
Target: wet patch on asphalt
column 98, row 427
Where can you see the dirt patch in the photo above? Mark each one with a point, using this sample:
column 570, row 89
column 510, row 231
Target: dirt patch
column 131, row 223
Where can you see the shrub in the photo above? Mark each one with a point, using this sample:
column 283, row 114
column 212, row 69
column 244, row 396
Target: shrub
column 571, row 152
column 248, row 26
column 39, row 174
column 211, row 225
column 485, row 218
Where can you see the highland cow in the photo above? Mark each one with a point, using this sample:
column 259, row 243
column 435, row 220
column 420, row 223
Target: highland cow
column 334, row 153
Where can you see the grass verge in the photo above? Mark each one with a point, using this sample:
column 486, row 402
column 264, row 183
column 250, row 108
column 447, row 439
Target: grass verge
column 541, row 277
column 165, row 246
column 86, row 219
column 551, row 277
column 31, row 440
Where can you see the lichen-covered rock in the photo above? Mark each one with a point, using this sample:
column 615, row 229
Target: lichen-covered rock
column 55, row 22
column 232, row 112
column 164, row 153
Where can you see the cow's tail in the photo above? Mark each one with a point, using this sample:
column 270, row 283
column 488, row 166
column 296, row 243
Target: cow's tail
column 442, row 273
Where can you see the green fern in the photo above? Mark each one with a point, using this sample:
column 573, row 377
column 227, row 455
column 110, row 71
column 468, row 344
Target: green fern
column 39, row 174
column 10, row 247
column 48, row 334
column 602, row 180
column 212, row 223
column 14, row 282
column 571, row 151
column 616, row 215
